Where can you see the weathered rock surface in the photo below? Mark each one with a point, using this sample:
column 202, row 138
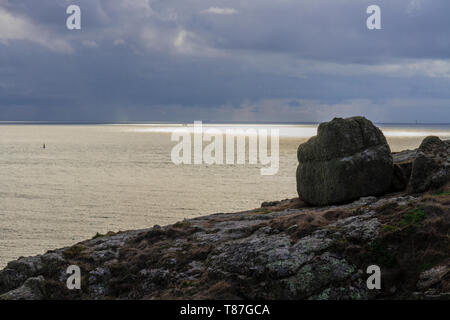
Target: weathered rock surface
column 283, row 251
column 431, row 166
column 403, row 162
column 348, row 159
column 32, row 289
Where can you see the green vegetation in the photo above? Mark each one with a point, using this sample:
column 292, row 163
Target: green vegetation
column 425, row 266
column 378, row 252
column 73, row 251
column 413, row 217
column 188, row 284
column 182, row 224
column 441, row 194
column 390, row 228
column 262, row 210
column 99, row 235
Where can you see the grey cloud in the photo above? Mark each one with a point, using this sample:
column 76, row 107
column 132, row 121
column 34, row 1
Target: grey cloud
column 165, row 60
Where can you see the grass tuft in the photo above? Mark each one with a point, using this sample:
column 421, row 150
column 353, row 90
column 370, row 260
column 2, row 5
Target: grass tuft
column 413, row 217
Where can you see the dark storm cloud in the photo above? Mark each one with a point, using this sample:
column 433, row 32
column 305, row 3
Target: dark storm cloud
column 224, row 60
column 335, row 30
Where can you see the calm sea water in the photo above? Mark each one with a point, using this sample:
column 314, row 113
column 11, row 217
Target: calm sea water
column 97, row 178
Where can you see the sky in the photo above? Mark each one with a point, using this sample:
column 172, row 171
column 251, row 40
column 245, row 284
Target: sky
column 225, row 60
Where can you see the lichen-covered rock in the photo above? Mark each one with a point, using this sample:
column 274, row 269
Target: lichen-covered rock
column 431, row 166
column 32, row 289
column 325, row 271
column 348, row 159
column 285, row 251
column 16, row 272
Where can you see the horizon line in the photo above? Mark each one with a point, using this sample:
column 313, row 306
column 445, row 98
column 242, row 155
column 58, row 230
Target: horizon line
column 58, row 122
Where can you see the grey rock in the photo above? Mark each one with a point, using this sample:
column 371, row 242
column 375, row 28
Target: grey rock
column 152, row 279
column 402, row 169
column 348, row 159
column 256, row 256
column 322, row 272
column 430, row 277
column 404, row 156
column 32, row 289
column 98, row 275
column 431, row 166
column 362, row 227
column 313, row 243
column 270, row 204
column 17, row 271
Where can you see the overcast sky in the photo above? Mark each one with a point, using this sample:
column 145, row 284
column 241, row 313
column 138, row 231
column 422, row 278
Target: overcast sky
column 228, row 60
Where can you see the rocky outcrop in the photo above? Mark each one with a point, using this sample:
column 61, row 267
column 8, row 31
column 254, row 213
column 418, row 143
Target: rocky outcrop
column 348, row 159
column 422, row 169
column 284, row 250
column 32, row 289
column 431, row 166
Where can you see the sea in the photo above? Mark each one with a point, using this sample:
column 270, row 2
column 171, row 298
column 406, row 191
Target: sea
column 95, row 178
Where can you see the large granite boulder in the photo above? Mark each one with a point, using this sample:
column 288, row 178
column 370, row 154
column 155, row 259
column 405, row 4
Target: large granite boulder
column 431, row 166
column 348, row 159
